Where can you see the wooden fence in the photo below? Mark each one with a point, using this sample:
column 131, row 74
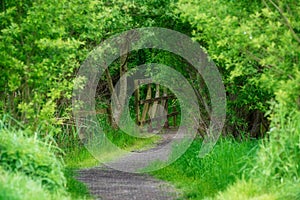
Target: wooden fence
column 154, row 108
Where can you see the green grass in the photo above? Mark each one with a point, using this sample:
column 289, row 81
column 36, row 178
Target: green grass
column 198, row 178
column 30, row 168
column 18, row 186
column 253, row 190
column 244, row 190
column 237, row 171
column 78, row 157
column 274, row 173
column 30, row 156
column 76, row 189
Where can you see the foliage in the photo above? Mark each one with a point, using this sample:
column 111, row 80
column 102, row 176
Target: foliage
column 30, row 168
column 256, row 46
column 279, row 157
column 31, row 157
column 42, row 44
column 17, row 186
column 38, row 62
column 208, row 175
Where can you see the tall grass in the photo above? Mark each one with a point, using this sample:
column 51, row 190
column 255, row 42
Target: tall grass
column 202, row 177
column 279, row 157
column 18, row 186
column 274, row 173
column 78, row 156
column 29, row 168
column 31, row 157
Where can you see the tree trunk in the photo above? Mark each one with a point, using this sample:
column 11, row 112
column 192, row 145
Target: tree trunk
column 120, row 98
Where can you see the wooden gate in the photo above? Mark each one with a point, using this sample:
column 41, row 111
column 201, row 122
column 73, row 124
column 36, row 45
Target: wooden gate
column 154, row 109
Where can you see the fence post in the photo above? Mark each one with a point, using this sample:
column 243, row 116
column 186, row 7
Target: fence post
column 146, row 105
column 137, row 101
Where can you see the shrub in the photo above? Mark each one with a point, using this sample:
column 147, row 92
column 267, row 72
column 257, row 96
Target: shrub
column 31, row 157
column 17, row 186
column 274, row 173
column 279, row 158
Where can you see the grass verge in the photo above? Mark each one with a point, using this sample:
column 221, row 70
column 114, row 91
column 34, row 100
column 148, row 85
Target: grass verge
column 78, row 157
column 198, row 178
column 75, row 188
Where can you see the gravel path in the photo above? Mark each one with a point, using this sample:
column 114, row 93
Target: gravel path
column 109, row 184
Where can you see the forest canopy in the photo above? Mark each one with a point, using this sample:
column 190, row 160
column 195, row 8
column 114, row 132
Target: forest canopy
column 254, row 44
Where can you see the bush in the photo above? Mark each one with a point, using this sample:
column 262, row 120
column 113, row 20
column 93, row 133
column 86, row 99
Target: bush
column 255, row 44
column 17, row 186
column 276, row 167
column 31, row 157
column 279, row 158
column 274, row 173
column 26, row 161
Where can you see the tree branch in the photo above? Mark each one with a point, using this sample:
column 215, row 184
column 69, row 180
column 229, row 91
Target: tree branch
column 287, row 22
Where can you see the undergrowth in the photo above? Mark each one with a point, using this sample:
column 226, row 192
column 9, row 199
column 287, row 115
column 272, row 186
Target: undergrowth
column 79, row 156
column 203, row 177
column 30, row 168
column 274, row 173
column 33, row 168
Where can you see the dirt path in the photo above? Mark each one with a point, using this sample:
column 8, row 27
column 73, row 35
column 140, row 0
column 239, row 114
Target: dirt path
column 110, row 184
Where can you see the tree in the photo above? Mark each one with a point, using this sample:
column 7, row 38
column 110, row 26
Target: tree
column 256, row 46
